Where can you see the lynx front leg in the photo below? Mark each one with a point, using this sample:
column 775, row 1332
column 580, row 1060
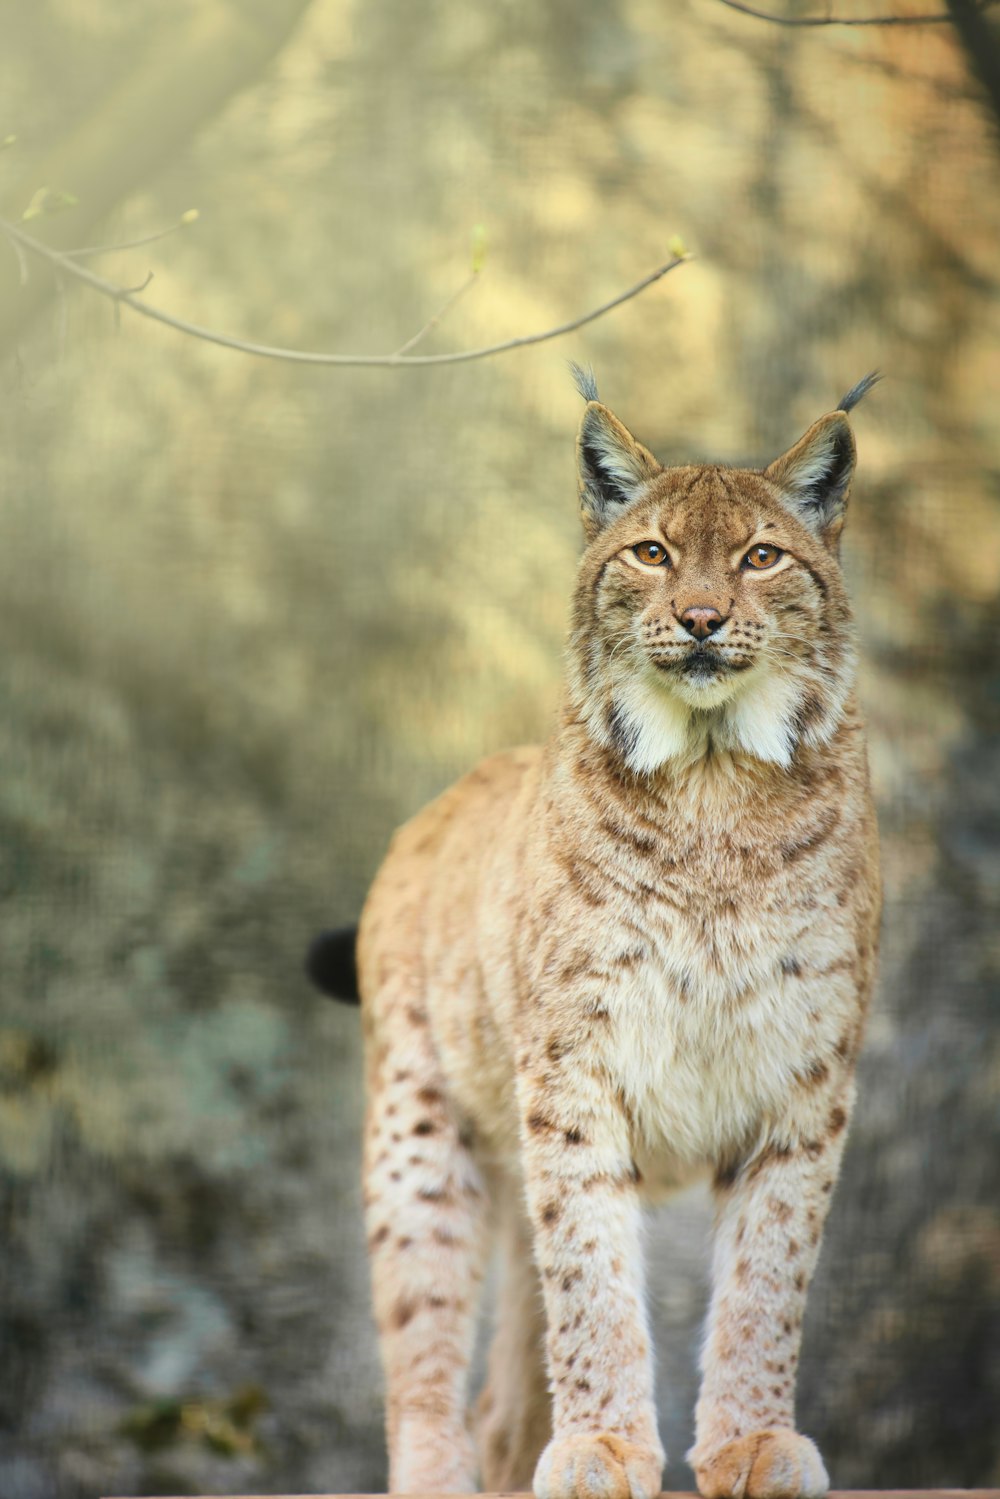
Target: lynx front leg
column 767, row 1241
column 581, row 1184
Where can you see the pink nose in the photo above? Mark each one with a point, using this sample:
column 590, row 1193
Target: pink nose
column 700, row 621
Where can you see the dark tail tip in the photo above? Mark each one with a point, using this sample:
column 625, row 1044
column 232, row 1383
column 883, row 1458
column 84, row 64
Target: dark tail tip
column 332, row 966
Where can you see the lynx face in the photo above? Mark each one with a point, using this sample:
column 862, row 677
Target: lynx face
column 710, row 609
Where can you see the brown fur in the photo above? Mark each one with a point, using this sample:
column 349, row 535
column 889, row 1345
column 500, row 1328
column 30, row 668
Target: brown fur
column 594, row 971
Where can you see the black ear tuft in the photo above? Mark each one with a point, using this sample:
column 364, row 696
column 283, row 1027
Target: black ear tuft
column 332, row 966
column 858, row 392
column 585, row 381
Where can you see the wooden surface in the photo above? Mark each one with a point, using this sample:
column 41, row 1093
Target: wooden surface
column 671, row 1494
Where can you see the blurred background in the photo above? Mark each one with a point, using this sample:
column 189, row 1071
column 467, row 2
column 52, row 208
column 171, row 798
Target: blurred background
column 253, row 615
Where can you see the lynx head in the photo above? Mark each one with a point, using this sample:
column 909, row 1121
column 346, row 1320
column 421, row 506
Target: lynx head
column 710, row 609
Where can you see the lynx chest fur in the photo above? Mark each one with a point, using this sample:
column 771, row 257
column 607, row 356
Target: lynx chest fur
column 593, row 971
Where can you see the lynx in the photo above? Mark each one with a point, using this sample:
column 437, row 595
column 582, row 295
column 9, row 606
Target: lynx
column 594, row 971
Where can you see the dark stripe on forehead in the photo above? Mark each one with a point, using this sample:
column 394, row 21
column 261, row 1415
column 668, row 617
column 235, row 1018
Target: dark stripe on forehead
column 743, row 503
column 680, row 490
column 695, row 478
column 705, row 475
column 713, row 477
column 724, row 477
column 684, row 500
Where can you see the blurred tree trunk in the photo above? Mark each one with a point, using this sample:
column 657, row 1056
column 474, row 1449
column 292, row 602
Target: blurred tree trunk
column 185, row 77
column 980, row 38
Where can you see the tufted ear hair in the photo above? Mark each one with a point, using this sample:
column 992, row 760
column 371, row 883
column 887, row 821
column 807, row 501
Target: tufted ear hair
column 612, row 467
column 816, row 473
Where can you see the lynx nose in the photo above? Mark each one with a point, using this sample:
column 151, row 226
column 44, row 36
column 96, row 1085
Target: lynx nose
column 701, row 621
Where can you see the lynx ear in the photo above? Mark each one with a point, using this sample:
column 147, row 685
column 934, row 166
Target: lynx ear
column 816, row 474
column 612, row 466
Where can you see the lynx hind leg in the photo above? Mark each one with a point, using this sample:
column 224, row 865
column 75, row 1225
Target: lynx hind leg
column 514, row 1415
column 424, row 1207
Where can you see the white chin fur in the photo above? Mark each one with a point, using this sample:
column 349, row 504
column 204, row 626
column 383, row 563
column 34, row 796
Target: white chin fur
column 762, row 721
column 703, row 694
column 674, row 720
column 660, row 722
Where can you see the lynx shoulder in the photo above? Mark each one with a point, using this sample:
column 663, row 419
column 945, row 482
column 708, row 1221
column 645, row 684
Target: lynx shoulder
column 593, row 971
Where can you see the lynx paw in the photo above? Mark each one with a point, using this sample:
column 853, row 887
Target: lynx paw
column 776, row 1464
column 597, row 1467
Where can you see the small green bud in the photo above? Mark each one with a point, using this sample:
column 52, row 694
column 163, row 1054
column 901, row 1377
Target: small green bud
column 46, row 201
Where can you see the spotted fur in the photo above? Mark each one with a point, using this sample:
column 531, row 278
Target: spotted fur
column 595, row 971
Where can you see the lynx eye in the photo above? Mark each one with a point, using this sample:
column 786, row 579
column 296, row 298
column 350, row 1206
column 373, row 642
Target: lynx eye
column 761, row 557
column 651, row 553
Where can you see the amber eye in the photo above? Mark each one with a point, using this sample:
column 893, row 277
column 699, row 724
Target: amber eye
column 762, row 556
column 651, row 553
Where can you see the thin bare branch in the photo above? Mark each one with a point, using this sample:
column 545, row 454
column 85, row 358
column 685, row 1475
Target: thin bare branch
column 135, row 291
column 934, row 18
column 443, row 310
column 22, row 262
column 122, row 296
column 133, row 244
